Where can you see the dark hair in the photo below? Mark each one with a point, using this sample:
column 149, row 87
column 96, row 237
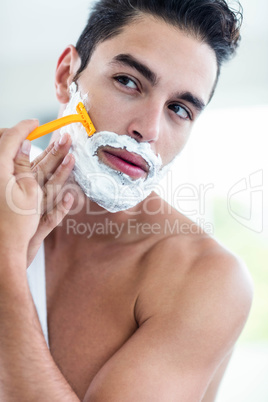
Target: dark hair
column 210, row 21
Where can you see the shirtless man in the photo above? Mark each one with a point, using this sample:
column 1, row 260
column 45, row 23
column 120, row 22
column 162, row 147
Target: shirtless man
column 145, row 315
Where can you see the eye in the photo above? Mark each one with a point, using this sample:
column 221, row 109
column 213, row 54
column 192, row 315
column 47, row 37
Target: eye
column 126, row 81
column 180, row 111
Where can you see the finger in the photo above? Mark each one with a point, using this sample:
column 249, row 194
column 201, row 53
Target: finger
column 22, row 170
column 52, row 219
column 40, row 157
column 52, row 157
column 54, row 185
column 12, row 138
column 2, row 130
column 40, row 176
column 48, row 222
column 21, row 160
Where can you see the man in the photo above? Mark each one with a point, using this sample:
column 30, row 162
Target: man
column 134, row 313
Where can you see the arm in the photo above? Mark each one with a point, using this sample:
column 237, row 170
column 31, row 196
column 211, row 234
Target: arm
column 50, row 173
column 27, row 370
column 188, row 326
column 51, row 170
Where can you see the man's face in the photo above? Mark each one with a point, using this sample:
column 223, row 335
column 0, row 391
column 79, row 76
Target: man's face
column 150, row 82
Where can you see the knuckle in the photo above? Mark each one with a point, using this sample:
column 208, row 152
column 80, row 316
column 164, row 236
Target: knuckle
column 28, row 124
column 9, row 131
column 20, row 127
column 50, row 191
column 38, row 174
column 45, row 192
column 22, row 159
column 48, row 150
column 55, row 151
column 2, row 130
column 48, row 219
column 40, row 158
column 52, row 218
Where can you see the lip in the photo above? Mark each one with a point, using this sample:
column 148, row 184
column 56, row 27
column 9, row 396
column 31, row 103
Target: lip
column 126, row 162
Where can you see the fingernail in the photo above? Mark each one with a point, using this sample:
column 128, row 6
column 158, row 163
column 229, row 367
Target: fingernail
column 67, row 197
column 26, row 147
column 56, row 145
column 63, row 139
column 66, row 160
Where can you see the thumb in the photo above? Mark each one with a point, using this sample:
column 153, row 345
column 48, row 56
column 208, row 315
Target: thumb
column 22, row 161
column 2, row 130
column 23, row 173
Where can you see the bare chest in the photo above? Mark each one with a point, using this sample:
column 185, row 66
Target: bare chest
column 90, row 307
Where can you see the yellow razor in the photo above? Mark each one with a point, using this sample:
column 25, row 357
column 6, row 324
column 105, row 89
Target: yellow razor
column 81, row 117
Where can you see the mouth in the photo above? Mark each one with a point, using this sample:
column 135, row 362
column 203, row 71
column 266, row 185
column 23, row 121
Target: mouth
column 123, row 161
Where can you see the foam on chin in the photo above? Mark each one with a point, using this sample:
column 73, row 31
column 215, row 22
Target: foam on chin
column 112, row 190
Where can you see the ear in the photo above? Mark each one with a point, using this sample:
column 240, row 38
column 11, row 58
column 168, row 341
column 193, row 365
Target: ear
column 67, row 66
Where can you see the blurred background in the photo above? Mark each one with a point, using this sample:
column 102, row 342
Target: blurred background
column 220, row 179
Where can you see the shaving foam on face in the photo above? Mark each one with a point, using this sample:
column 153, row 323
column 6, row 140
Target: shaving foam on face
column 113, row 190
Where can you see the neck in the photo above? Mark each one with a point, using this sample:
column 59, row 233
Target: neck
column 87, row 221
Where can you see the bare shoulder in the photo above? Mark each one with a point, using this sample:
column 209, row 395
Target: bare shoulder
column 194, row 298
column 194, row 278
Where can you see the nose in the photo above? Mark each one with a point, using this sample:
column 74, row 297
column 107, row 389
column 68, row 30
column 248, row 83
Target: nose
column 145, row 124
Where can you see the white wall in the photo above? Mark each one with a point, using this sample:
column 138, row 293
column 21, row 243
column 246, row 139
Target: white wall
column 33, row 35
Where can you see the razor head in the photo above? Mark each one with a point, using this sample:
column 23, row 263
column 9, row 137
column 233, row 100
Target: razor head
column 85, row 119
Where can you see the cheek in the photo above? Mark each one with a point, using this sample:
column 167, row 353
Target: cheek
column 107, row 111
column 170, row 145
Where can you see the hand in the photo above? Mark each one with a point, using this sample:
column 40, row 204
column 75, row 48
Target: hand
column 51, row 169
column 24, row 222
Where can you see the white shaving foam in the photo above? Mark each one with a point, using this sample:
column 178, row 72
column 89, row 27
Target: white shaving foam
column 113, row 190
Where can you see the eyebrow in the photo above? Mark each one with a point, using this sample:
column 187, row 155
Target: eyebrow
column 130, row 61
column 195, row 101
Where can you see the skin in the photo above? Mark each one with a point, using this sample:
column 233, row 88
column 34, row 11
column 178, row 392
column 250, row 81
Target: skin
column 144, row 316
